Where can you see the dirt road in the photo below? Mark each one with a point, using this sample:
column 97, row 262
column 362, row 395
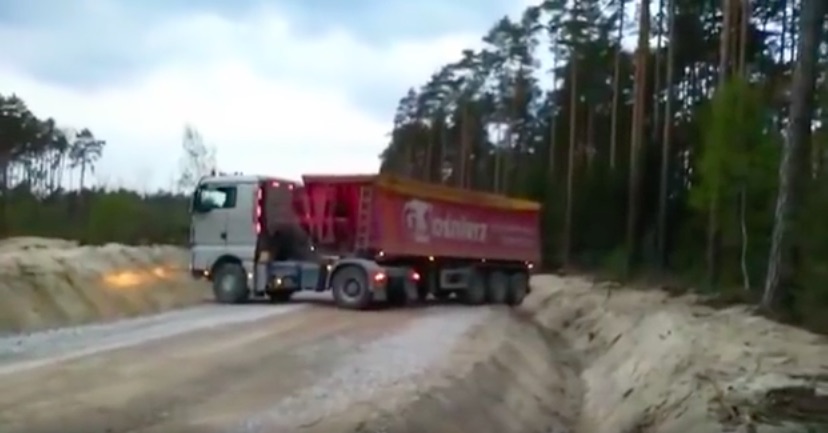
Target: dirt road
column 256, row 368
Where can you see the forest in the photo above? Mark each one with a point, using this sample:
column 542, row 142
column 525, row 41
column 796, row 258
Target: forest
column 45, row 188
column 683, row 139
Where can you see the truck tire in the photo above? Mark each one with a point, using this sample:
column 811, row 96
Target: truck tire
column 350, row 288
column 475, row 293
column 498, row 288
column 230, row 284
column 279, row 297
column 518, row 288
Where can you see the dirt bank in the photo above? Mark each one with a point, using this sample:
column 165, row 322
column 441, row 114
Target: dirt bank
column 47, row 283
column 584, row 357
column 655, row 363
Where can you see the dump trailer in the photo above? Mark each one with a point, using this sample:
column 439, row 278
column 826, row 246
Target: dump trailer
column 370, row 239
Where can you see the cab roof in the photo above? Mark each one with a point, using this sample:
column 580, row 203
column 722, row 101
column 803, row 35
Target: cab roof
column 244, row 178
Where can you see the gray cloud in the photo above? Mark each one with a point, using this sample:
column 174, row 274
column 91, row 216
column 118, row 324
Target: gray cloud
column 379, row 22
column 89, row 43
column 75, row 43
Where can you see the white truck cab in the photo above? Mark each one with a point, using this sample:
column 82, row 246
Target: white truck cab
column 224, row 226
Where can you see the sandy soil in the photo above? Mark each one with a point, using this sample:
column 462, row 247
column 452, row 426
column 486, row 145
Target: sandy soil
column 49, row 283
column 650, row 362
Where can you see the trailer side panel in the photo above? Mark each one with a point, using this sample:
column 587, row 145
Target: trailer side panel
column 416, row 225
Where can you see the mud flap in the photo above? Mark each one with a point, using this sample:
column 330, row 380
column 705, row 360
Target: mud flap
column 259, row 278
column 397, row 291
column 381, row 293
column 411, row 290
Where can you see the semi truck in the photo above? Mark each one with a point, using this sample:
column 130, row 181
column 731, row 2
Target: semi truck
column 369, row 239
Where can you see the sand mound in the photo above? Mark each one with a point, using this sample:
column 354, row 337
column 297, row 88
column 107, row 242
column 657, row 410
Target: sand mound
column 46, row 283
column 9, row 245
column 578, row 357
column 655, row 363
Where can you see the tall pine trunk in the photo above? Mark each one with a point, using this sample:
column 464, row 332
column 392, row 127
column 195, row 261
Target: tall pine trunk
column 667, row 137
column 637, row 133
column 616, row 88
column 570, row 169
column 793, row 167
column 463, row 155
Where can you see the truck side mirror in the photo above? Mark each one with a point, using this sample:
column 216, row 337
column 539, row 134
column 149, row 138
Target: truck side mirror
column 202, row 206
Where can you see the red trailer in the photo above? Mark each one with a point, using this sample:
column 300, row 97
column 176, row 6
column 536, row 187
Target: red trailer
column 391, row 233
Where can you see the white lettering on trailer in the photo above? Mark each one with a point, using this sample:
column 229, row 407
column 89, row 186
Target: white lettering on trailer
column 424, row 224
column 417, row 215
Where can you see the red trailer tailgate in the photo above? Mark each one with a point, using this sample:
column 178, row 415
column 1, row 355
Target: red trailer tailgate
column 438, row 221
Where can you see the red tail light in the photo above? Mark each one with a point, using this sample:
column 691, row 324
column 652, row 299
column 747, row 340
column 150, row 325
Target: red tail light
column 257, row 212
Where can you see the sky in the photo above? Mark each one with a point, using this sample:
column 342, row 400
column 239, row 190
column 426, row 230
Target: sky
column 278, row 87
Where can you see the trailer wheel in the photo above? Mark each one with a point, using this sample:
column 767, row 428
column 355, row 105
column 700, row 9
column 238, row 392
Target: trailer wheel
column 350, row 288
column 281, row 296
column 498, row 288
column 475, row 293
column 518, row 288
column 230, row 284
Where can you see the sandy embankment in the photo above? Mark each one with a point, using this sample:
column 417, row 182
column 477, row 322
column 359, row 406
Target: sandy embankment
column 591, row 358
column 655, row 363
column 47, row 283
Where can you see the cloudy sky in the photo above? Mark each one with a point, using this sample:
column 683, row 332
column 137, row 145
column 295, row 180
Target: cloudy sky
column 279, row 87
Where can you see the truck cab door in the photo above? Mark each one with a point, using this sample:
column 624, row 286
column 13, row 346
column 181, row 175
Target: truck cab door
column 239, row 227
column 211, row 205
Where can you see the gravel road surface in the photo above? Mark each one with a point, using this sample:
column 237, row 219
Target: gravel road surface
column 255, row 368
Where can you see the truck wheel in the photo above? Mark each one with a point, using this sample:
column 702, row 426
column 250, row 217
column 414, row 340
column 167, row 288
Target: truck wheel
column 279, row 297
column 518, row 288
column 475, row 293
column 498, row 289
column 230, row 284
column 350, row 288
